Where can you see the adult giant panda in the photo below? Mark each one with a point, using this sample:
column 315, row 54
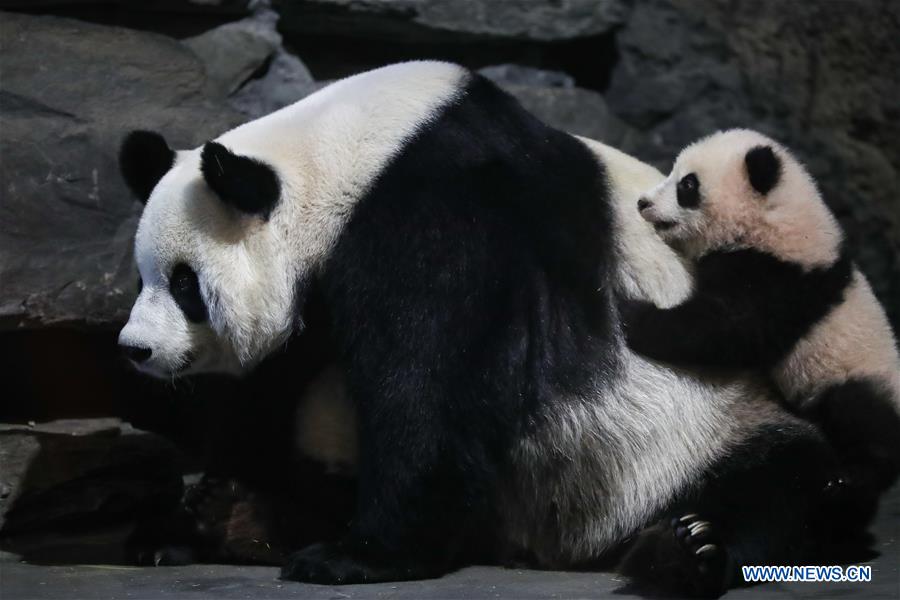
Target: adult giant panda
column 468, row 256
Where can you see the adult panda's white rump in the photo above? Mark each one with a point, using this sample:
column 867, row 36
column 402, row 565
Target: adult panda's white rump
column 647, row 268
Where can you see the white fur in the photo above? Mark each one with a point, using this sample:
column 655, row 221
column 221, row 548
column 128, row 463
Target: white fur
column 790, row 221
column 326, row 149
column 606, row 463
column 326, row 423
column 853, row 341
column 648, row 268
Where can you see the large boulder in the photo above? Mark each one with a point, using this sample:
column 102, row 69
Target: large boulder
column 284, row 82
column 435, row 20
column 233, row 52
column 575, row 110
column 70, row 91
column 90, row 479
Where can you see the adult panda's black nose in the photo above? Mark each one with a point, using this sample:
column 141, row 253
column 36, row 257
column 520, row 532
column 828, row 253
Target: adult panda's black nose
column 136, row 353
column 643, row 203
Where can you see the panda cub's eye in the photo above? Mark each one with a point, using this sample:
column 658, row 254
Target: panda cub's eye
column 185, row 289
column 689, row 191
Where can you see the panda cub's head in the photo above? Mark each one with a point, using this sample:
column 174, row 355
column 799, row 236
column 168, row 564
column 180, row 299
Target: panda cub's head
column 736, row 188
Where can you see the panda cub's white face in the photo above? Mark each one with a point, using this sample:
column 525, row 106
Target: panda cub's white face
column 741, row 189
column 717, row 193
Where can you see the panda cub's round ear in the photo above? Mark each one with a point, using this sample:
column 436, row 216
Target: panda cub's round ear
column 763, row 168
column 144, row 158
column 247, row 184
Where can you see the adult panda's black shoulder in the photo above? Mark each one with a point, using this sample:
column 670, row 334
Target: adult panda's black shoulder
column 467, row 254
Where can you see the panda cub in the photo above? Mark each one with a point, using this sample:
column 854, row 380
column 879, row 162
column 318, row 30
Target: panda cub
column 775, row 289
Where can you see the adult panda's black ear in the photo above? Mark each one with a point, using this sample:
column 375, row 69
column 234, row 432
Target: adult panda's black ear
column 144, row 158
column 763, row 168
column 247, row 184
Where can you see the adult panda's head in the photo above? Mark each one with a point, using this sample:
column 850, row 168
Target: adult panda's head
column 212, row 283
column 233, row 231
column 739, row 188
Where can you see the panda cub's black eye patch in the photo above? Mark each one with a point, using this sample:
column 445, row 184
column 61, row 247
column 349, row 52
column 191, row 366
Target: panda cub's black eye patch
column 689, row 191
column 185, row 289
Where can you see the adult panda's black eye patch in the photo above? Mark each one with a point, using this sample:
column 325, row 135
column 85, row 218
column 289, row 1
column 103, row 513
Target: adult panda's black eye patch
column 185, row 289
column 688, row 190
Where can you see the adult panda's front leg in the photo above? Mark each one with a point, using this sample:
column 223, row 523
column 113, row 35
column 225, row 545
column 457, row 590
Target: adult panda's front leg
column 418, row 500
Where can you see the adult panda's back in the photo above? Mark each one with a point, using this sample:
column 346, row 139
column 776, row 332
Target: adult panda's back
column 490, row 232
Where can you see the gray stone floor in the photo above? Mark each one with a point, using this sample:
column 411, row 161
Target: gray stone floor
column 198, row 582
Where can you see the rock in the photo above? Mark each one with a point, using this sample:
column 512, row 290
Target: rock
column 286, row 81
column 433, row 20
column 520, row 75
column 66, row 217
column 231, row 53
column 77, row 472
column 175, row 6
column 574, row 110
column 792, row 70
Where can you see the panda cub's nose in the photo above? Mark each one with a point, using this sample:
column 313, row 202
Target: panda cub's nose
column 137, row 353
column 643, row 204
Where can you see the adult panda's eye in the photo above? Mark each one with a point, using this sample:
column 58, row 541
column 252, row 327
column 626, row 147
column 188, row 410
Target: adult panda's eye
column 185, row 289
column 689, row 191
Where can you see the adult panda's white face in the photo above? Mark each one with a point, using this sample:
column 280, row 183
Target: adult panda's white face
column 232, row 232
column 215, row 289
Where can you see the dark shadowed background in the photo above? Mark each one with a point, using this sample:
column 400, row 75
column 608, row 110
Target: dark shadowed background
column 647, row 77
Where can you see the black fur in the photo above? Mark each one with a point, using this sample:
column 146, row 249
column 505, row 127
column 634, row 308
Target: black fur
column 763, row 168
column 143, row 160
column 688, row 191
column 748, row 309
column 185, row 289
column 765, row 503
column 860, row 420
column 464, row 291
column 247, row 184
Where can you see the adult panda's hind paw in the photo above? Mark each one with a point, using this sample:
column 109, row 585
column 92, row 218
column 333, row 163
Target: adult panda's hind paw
column 680, row 556
column 700, row 543
column 344, row 563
